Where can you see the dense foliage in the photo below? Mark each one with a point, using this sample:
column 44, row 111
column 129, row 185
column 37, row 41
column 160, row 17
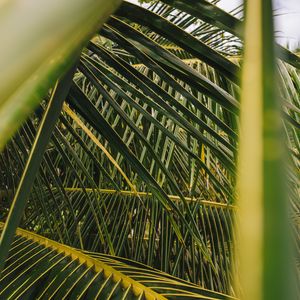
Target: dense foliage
column 142, row 160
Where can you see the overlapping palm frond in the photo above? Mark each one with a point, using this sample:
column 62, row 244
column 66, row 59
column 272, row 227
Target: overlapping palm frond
column 39, row 268
column 142, row 163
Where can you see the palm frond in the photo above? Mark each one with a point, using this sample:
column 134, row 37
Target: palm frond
column 40, row 268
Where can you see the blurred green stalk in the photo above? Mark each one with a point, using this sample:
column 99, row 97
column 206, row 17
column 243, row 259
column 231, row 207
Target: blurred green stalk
column 39, row 40
column 263, row 246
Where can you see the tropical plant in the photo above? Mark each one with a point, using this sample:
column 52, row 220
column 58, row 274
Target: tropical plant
column 123, row 172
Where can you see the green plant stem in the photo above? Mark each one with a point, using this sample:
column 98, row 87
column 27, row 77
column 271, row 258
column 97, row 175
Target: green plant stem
column 32, row 166
column 41, row 40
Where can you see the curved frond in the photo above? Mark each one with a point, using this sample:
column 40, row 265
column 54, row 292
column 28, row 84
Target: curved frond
column 39, row 268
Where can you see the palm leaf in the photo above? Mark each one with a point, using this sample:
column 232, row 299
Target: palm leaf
column 40, row 268
column 45, row 55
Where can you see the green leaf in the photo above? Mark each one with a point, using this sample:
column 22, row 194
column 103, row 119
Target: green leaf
column 39, row 268
column 39, row 48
